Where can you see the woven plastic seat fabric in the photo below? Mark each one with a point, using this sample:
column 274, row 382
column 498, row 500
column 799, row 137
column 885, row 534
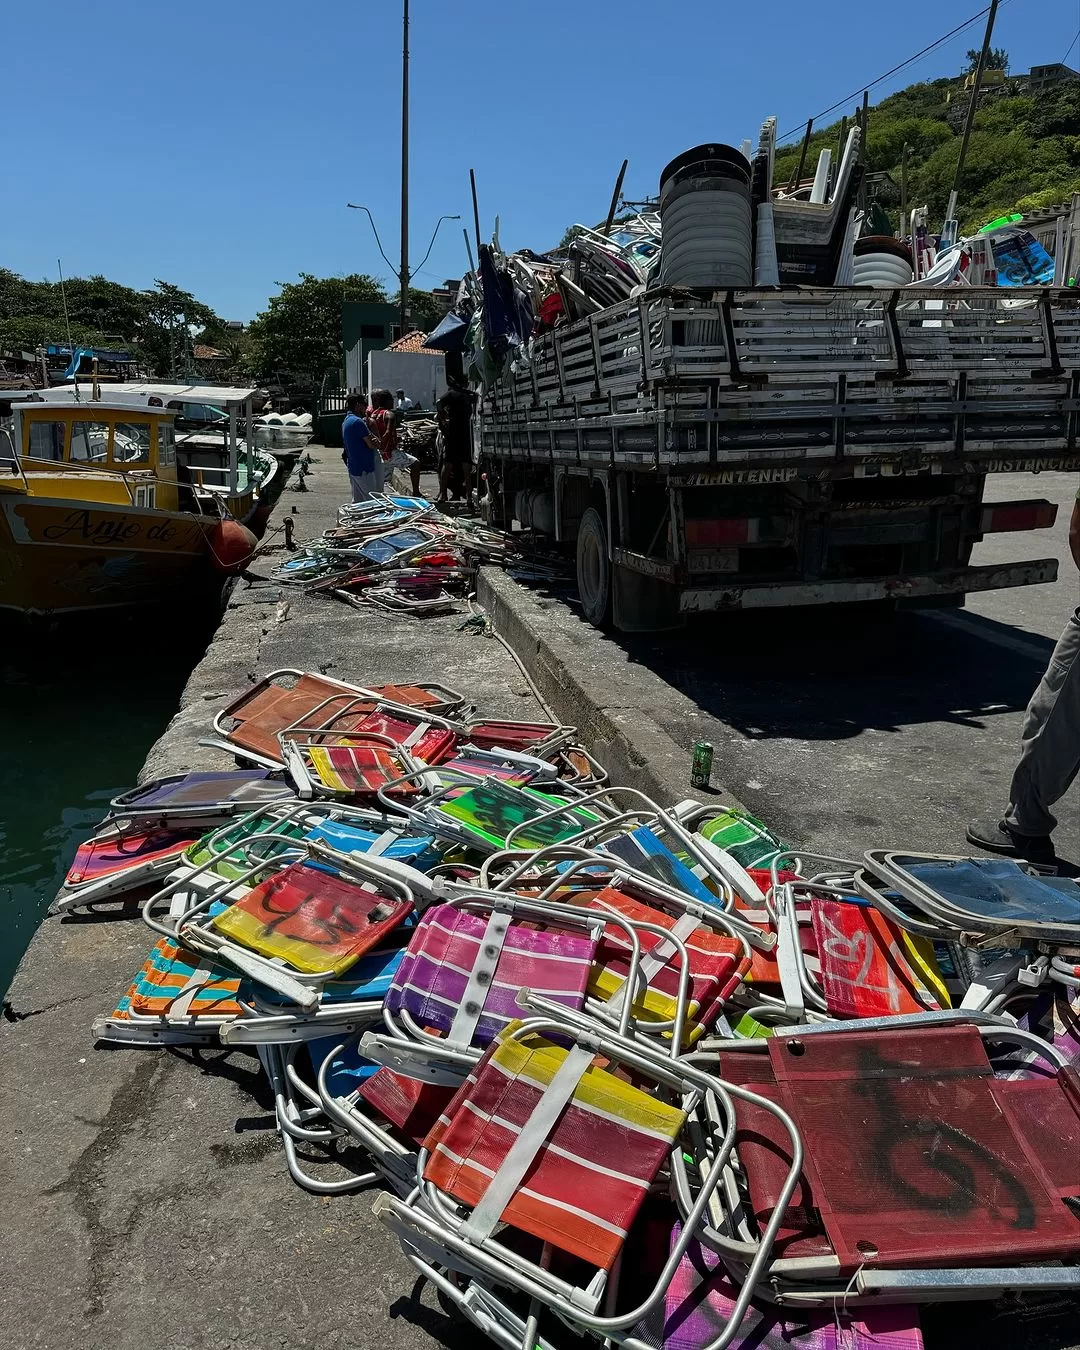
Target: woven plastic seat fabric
column 355, row 770
column 745, row 838
column 249, row 787
column 997, row 891
column 224, row 845
column 431, row 745
column 915, row 1153
column 410, row 695
column 112, row 855
column 871, row 968
column 589, row 1176
column 414, row 1108
column 717, row 964
column 312, row 919
column 645, row 852
column 170, row 982
column 444, row 949
column 367, row 980
column 485, row 768
column 701, row 1298
column 266, row 710
column 419, row 850
column 492, row 809
column 347, row 1071
column 520, row 736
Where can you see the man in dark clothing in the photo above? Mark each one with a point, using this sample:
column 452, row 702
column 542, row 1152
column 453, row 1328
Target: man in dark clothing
column 359, row 453
column 453, row 412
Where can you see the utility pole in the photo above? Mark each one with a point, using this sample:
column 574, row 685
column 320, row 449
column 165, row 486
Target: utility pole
column 403, row 276
column 950, row 214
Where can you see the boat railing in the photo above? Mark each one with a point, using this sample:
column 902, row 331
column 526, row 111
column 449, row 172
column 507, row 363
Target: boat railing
column 8, row 436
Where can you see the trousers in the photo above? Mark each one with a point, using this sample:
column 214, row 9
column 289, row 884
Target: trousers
column 1050, row 740
column 364, row 484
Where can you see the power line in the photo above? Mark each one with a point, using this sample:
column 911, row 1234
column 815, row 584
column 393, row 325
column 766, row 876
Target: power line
column 889, row 73
column 1072, row 44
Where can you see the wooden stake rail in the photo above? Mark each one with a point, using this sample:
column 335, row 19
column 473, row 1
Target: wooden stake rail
column 824, row 374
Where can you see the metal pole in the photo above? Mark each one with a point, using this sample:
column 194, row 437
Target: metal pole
column 404, row 274
column 615, row 198
column 796, row 177
column 903, row 186
column 475, row 208
column 950, row 214
column 864, row 159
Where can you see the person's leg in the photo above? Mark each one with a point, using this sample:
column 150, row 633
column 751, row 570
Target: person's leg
column 364, row 485
column 1049, row 759
column 414, row 474
column 1050, row 740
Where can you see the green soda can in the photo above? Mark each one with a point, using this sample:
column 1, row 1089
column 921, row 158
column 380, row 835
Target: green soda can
column 701, row 769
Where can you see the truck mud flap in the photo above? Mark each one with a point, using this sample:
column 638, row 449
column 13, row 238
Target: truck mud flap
column 702, row 599
column 643, row 604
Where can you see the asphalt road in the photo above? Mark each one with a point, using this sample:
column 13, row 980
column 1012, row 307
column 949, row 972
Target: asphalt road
column 847, row 732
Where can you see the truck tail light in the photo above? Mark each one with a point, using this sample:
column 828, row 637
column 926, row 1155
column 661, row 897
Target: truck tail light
column 1036, row 514
column 722, row 533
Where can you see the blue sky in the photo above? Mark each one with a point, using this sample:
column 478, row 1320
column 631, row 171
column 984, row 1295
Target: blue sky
column 216, row 144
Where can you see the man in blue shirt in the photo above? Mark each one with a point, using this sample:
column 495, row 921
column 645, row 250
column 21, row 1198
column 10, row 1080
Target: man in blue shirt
column 359, row 455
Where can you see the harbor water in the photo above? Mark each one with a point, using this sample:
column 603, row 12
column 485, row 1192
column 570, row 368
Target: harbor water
column 78, row 714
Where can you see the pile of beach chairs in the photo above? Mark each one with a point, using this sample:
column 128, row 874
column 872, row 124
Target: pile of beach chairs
column 397, row 553
column 637, row 1071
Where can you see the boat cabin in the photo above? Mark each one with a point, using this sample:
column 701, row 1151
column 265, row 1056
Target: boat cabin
column 114, row 448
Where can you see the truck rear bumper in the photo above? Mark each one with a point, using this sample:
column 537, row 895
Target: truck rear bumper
column 769, row 595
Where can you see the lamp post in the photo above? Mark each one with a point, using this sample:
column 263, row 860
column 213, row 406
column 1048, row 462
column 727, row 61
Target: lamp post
column 403, row 273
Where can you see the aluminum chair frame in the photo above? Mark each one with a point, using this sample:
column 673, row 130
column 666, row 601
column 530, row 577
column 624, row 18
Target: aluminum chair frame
column 427, row 1213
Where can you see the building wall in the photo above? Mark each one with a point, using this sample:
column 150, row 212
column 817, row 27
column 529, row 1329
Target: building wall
column 422, row 375
column 366, row 326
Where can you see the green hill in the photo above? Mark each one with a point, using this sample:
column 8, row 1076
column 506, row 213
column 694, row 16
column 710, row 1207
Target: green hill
column 1024, row 152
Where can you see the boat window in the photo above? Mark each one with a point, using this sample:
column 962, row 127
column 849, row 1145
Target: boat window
column 131, row 443
column 166, row 442
column 46, row 440
column 89, row 442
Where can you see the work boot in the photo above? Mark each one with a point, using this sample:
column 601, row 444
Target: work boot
column 997, row 837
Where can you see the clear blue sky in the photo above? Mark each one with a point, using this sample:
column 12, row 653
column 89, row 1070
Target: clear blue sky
column 216, row 144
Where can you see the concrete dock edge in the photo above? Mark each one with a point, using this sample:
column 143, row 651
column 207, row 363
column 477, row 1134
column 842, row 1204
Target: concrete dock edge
column 589, row 681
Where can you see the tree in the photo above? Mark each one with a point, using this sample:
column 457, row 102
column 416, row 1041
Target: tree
column 164, row 333
column 425, row 312
column 997, row 58
column 300, row 329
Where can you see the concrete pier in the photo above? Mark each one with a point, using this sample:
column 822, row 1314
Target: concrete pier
column 145, row 1192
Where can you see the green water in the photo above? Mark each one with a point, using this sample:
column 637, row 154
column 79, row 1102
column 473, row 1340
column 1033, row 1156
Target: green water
column 78, row 714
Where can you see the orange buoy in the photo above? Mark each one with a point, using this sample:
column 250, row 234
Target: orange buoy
column 231, row 546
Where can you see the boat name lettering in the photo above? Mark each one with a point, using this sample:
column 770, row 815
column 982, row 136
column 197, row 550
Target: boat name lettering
column 110, row 530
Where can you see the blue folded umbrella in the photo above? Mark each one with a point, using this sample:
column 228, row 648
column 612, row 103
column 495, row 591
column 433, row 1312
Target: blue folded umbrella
column 449, row 336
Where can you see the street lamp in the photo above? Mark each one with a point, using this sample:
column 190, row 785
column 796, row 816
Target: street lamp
column 404, row 275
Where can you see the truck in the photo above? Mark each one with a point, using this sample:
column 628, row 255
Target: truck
column 705, row 451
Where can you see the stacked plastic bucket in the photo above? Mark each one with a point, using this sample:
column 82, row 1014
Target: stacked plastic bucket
column 706, row 219
column 881, row 260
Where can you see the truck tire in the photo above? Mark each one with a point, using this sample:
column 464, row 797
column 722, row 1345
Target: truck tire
column 594, row 568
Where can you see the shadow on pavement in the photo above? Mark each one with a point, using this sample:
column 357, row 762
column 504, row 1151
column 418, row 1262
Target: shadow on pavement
column 831, row 674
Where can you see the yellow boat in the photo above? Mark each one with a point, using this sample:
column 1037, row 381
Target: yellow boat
column 92, row 515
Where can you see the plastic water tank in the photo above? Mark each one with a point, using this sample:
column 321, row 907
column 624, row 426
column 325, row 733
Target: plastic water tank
column 881, row 260
column 706, row 219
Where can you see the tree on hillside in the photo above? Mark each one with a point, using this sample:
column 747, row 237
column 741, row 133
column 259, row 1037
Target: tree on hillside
column 997, row 58
column 300, row 330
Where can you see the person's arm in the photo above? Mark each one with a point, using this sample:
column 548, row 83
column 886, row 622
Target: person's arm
column 1074, row 533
